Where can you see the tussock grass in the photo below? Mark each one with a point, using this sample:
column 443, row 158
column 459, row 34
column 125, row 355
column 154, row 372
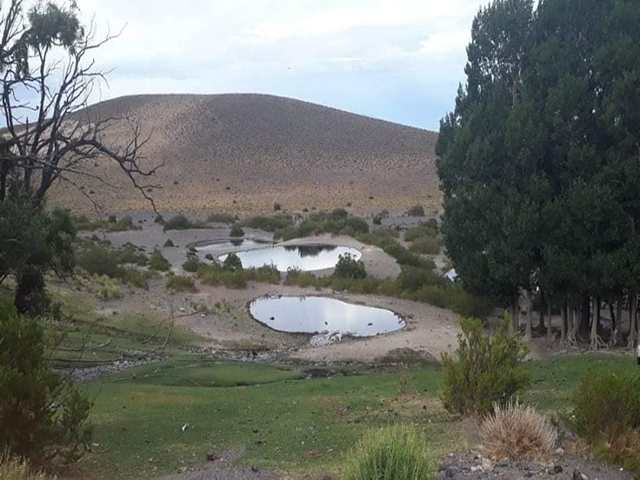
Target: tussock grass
column 180, row 283
column 397, row 453
column 515, row 431
column 18, row 469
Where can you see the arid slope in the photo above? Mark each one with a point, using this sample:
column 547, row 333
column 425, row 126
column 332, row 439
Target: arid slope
column 243, row 152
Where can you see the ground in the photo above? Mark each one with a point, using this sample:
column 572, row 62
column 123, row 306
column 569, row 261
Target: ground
column 214, row 394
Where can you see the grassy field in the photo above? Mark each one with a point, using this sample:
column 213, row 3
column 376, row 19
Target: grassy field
column 295, row 425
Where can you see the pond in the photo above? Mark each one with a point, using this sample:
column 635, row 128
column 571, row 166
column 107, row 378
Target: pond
column 226, row 245
column 303, row 257
column 323, row 315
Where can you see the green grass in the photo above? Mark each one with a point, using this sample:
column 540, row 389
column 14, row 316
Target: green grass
column 291, row 425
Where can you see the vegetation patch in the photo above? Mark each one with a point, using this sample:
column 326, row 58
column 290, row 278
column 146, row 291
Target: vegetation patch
column 180, row 283
column 112, row 224
column 182, row 222
column 222, row 218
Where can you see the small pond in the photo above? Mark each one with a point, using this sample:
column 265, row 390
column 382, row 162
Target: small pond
column 323, row 315
column 303, row 257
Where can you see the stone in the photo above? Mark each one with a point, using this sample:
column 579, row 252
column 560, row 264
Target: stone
column 577, row 475
column 476, row 468
column 560, row 451
column 557, row 469
column 212, row 456
column 487, row 464
column 451, row 472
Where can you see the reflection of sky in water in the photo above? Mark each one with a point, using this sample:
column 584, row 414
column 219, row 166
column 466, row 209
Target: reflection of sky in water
column 312, row 257
column 318, row 314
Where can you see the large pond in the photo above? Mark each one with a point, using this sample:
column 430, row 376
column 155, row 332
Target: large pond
column 303, row 257
column 226, row 245
column 323, row 315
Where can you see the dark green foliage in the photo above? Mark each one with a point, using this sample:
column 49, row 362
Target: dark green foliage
column 129, row 253
column 234, row 277
column 606, row 413
column 426, row 230
column 232, row 263
column 159, row 219
column 181, row 222
column 179, row 283
column 391, row 453
column 336, row 222
column 192, row 264
column 42, row 416
column 416, row 211
column 295, row 276
column 236, row 231
column 412, row 279
column 99, row 260
column 158, row 263
column 271, row 223
column 112, row 224
column 484, row 370
column 349, row 267
column 136, row 278
column 168, row 244
column 339, row 214
column 377, row 220
column 426, row 246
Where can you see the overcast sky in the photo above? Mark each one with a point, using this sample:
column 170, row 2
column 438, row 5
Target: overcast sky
column 400, row 60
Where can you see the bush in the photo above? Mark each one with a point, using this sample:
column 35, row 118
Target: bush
column 99, row 260
column 414, row 233
column 178, row 222
column 179, row 283
column 168, row 244
column 426, row 245
column 277, row 207
column 269, row 223
column 516, row 432
column 416, row 211
column 295, row 276
column 232, row 263
column 377, row 220
column 349, row 267
column 42, row 416
column 412, row 279
column 265, row 274
column 17, row 469
column 129, row 253
column 158, row 263
column 390, row 453
column 606, row 413
column 236, row 231
column 484, row 371
column 136, row 278
column 357, row 225
column 192, row 265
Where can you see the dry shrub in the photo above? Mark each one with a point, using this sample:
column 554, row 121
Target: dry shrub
column 17, row 469
column 515, row 432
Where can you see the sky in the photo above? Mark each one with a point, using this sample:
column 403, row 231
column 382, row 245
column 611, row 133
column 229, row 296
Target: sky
column 399, row 60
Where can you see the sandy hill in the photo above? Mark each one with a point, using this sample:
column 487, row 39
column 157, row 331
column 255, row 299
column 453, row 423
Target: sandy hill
column 243, row 152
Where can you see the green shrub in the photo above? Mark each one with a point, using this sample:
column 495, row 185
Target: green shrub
column 221, row 218
column 159, row 219
column 129, row 253
column 232, row 263
column 349, row 267
column 98, row 260
column 158, row 263
column 416, row 211
column 485, row 369
column 236, row 231
column 265, row 274
column 367, row 285
column 192, row 265
column 377, row 220
column 136, row 278
column 295, row 276
column 177, row 222
column 277, row 207
column 357, row 225
column 270, row 223
column 18, row 469
column 209, row 257
column 412, row 279
column 392, row 453
column 109, row 288
column 168, row 244
column 414, row 233
column 606, row 413
column 425, row 245
column 179, row 283
column 42, row 416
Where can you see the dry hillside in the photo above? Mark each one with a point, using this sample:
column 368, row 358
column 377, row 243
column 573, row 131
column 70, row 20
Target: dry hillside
column 244, row 152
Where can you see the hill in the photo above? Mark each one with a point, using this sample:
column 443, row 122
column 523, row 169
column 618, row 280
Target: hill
column 243, row 152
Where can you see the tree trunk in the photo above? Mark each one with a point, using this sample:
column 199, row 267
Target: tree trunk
column 541, row 326
column 586, row 315
column 633, row 319
column 594, row 324
column 563, row 322
column 514, row 325
column 549, row 323
column 617, row 334
column 30, row 296
column 527, row 332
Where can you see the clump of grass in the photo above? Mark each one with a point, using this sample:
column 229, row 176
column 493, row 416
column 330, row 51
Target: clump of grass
column 515, row 432
column 396, row 452
column 112, row 224
column 181, row 222
column 295, row 276
column 158, row 262
column 416, row 211
column 12, row 468
column 425, row 245
column 168, row 243
column 414, row 233
column 180, row 283
column 349, row 267
column 192, row 265
column 269, row 223
column 136, row 278
column 277, row 207
column 109, row 288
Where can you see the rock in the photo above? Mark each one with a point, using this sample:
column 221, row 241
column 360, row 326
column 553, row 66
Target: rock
column 476, row 468
column 560, row 451
column 212, row 456
column 577, row 475
column 557, row 469
column 487, row 464
column 451, row 472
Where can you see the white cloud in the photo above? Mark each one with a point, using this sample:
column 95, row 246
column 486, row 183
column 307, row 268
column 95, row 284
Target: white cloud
column 345, row 53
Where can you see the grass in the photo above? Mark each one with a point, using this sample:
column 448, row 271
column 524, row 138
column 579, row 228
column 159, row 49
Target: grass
column 180, row 283
column 292, row 425
column 112, row 224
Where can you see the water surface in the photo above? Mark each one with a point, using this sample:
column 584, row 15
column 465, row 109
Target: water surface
column 226, row 245
column 323, row 315
column 303, row 257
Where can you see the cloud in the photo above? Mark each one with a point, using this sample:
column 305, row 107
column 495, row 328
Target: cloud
column 377, row 57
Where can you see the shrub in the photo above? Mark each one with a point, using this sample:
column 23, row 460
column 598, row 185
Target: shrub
column 221, row 218
column 18, row 469
column 416, row 211
column 177, row 222
column 159, row 219
column 349, row 267
column 606, row 413
column 377, row 220
column 414, row 233
column 236, row 231
column 426, row 245
column 109, row 288
column 168, row 244
column 129, row 253
column 339, row 214
column 192, row 264
column 516, row 432
column 357, row 225
column 271, row 223
column 179, row 283
column 265, row 274
column 232, row 263
column 484, row 371
column 295, row 276
column 158, row 263
column 277, row 207
column 42, row 416
column 99, row 260
column 136, row 278
column 209, row 257
column 390, row 453
column 412, row 279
